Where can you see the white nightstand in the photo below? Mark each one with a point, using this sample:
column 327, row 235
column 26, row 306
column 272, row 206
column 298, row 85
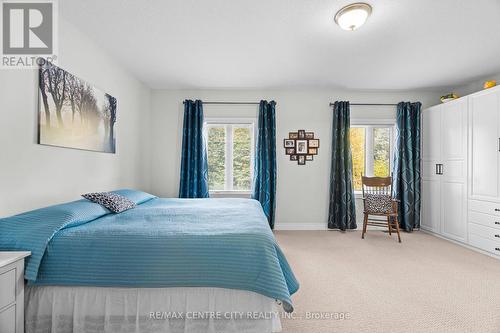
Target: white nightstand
column 12, row 291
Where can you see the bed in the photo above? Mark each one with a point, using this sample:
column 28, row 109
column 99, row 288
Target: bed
column 95, row 271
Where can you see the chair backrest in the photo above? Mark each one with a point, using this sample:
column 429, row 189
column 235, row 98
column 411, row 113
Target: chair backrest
column 376, row 185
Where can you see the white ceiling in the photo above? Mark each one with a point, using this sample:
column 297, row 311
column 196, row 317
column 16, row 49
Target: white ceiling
column 405, row 44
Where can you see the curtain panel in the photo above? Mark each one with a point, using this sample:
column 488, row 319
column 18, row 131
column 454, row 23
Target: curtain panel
column 264, row 182
column 194, row 162
column 342, row 211
column 406, row 172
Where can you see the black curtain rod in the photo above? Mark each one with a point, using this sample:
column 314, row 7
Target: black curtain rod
column 369, row 104
column 243, row 103
column 331, row 104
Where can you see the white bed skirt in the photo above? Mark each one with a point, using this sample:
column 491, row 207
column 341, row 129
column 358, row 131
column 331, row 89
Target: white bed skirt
column 54, row 309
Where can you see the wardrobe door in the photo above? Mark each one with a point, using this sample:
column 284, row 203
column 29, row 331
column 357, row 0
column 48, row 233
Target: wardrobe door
column 431, row 207
column 453, row 172
column 431, row 154
column 484, row 123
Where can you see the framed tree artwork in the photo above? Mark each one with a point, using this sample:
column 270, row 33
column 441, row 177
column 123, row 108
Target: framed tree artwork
column 73, row 113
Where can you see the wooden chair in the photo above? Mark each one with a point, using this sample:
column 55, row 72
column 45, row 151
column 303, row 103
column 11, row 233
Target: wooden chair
column 378, row 201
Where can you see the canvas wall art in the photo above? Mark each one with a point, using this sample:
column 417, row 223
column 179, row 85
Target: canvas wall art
column 73, row 113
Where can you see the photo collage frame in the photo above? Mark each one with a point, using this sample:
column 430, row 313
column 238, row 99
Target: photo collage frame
column 301, row 146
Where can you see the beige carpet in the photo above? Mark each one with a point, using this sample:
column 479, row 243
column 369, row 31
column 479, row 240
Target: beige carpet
column 425, row 284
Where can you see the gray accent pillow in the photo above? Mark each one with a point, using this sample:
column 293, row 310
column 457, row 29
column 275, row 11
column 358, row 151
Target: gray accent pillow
column 112, row 201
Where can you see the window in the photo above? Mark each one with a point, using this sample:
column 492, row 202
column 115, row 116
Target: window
column 230, row 155
column 371, row 147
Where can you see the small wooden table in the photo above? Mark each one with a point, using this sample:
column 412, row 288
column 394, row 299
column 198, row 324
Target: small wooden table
column 12, row 291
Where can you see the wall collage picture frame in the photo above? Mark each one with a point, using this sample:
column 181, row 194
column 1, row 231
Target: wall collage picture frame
column 301, row 146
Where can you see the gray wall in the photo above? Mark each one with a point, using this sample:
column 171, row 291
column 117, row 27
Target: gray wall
column 32, row 175
column 302, row 191
column 475, row 85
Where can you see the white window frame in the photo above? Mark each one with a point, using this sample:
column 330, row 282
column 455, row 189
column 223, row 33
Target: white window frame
column 228, row 122
column 369, row 125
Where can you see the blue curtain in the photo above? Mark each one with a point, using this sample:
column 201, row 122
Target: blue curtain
column 194, row 163
column 342, row 210
column 264, row 182
column 406, row 172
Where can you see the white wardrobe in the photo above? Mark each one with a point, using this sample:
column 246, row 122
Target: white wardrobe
column 461, row 170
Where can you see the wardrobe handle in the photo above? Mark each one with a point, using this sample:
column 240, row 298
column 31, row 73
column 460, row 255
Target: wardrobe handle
column 497, row 236
column 498, row 144
column 497, row 209
column 439, row 169
column 497, row 248
column 497, row 223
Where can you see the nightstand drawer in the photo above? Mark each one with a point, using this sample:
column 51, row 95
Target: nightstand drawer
column 12, row 291
column 8, row 320
column 485, row 232
column 7, row 288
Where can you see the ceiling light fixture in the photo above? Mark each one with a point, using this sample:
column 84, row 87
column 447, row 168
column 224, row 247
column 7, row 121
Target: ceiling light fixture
column 353, row 16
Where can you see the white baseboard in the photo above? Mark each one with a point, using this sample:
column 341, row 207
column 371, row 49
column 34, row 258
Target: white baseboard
column 427, row 231
column 315, row 226
column 300, row 226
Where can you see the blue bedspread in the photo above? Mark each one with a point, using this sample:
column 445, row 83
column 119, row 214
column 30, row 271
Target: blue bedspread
column 222, row 243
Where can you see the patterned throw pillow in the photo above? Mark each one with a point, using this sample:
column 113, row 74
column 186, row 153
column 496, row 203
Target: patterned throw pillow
column 112, row 201
column 378, row 203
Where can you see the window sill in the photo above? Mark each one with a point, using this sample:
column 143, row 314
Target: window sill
column 230, row 194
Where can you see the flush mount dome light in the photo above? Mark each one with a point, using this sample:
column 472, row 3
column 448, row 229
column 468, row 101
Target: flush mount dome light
column 353, row 16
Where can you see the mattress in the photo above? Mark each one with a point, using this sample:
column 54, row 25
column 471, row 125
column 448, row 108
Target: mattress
column 58, row 309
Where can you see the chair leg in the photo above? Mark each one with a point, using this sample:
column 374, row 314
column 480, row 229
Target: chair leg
column 365, row 223
column 389, row 225
column 397, row 228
